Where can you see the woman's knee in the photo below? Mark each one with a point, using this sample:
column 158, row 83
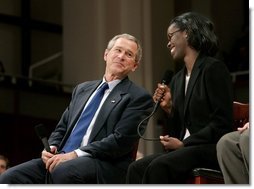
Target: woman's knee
column 157, row 164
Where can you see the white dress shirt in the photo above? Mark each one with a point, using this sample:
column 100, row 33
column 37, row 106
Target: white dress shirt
column 187, row 78
column 84, row 142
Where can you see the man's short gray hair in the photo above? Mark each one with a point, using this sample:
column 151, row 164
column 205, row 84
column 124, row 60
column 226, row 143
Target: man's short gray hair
column 138, row 56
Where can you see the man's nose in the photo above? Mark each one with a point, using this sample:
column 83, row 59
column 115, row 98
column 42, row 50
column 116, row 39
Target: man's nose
column 121, row 55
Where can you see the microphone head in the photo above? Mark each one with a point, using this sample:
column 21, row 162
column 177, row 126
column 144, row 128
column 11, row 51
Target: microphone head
column 40, row 131
column 167, row 77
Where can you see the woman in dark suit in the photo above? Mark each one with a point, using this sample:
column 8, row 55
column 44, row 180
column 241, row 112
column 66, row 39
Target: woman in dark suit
column 198, row 105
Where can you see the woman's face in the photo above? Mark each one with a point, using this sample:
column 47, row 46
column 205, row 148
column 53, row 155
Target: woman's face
column 177, row 42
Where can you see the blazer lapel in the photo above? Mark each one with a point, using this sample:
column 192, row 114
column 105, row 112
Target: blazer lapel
column 194, row 75
column 180, row 89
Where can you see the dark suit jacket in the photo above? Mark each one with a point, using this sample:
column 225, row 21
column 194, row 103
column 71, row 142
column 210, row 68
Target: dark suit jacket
column 115, row 131
column 207, row 108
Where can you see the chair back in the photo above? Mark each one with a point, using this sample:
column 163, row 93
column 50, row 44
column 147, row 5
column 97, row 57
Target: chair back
column 240, row 114
column 211, row 176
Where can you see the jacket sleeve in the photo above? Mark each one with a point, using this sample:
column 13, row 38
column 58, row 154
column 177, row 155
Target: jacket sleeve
column 56, row 137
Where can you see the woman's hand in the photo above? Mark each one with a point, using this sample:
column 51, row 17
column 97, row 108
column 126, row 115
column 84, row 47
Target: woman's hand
column 163, row 94
column 171, row 143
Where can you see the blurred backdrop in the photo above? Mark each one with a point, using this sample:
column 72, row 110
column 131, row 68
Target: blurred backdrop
column 47, row 47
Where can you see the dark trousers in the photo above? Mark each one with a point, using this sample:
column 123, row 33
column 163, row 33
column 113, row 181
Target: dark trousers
column 172, row 167
column 79, row 170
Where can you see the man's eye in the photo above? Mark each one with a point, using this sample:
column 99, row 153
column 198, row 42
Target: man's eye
column 129, row 55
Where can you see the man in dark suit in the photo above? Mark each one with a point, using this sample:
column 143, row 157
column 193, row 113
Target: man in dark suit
column 198, row 105
column 106, row 149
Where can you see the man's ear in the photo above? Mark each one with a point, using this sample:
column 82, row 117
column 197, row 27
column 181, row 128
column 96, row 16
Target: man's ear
column 135, row 67
column 106, row 54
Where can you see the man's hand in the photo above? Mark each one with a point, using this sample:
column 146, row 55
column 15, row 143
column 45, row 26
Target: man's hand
column 47, row 155
column 59, row 158
column 171, row 143
column 246, row 126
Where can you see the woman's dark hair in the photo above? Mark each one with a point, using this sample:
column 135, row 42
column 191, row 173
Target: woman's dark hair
column 200, row 31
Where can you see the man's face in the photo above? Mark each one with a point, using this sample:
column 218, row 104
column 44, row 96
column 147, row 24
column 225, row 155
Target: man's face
column 3, row 166
column 120, row 60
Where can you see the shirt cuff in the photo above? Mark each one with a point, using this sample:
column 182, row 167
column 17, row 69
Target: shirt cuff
column 81, row 153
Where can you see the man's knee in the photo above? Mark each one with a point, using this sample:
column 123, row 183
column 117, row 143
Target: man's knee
column 5, row 178
column 60, row 175
column 8, row 177
column 66, row 173
column 222, row 143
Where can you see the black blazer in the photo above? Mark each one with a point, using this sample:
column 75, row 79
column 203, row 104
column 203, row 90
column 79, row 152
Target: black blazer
column 207, row 108
column 115, row 131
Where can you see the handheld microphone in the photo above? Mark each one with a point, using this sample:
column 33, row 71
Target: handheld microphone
column 41, row 132
column 165, row 81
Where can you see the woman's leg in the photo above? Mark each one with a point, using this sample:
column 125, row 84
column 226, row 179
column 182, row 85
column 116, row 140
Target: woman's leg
column 137, row 168
column 176, row 166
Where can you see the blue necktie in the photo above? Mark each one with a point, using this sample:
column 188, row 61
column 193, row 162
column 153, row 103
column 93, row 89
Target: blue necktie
column 79, row 131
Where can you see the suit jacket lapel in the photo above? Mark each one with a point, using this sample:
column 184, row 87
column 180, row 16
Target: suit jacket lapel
column 79, row 102
column 112, row 100
column 82, row 99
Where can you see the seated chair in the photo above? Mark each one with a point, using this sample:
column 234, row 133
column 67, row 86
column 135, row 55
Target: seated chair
column 210, row 176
